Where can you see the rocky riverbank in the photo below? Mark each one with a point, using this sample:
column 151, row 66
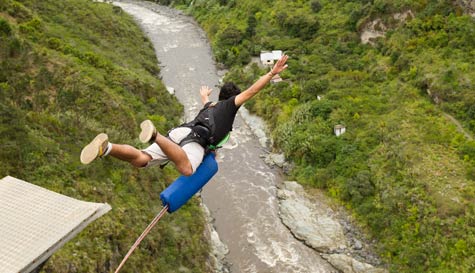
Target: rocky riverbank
column 330, row 232
column 219, row 250
column 312, row 218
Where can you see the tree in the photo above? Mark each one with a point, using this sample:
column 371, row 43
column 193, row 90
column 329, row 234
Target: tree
column 230, row 36
column 251, row 26
column 300, row 25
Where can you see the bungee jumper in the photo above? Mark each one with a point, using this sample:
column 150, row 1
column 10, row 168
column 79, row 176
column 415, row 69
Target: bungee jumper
column 186, row 144
column 189, row 146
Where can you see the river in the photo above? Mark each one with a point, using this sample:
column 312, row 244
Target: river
column 242, row 196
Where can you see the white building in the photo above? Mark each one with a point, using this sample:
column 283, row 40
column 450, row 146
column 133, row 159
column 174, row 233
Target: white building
column 268, row 58
column 339, row 130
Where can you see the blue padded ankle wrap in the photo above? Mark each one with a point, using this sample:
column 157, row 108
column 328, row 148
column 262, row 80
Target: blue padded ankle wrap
column 184, row 187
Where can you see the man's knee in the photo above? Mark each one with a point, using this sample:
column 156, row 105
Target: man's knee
column 142, row 160
column 185, row 169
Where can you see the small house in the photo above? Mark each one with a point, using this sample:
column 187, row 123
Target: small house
column 339, row 130
column 268, row 58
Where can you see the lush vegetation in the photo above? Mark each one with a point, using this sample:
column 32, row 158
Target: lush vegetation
column 402, row 167
column 69, row 70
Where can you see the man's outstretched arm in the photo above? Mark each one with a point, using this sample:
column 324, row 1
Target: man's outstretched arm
column 261, row 82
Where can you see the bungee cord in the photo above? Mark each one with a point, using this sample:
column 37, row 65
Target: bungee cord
column 141, row 237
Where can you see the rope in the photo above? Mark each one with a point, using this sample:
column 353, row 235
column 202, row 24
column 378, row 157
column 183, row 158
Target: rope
column 142, row 236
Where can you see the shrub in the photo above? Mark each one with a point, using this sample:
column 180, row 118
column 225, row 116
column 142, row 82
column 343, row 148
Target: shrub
column 300, row 25
column 314, row 88
column 19, row 11
column 315, row 6
column 230, row 36
column 15, row 46
column 5, row 28
column 54, row 43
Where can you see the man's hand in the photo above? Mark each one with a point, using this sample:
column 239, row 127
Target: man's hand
column 205, row 91
column 280, row 65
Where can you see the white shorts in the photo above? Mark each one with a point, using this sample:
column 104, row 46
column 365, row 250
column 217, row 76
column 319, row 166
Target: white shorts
column 193, row 150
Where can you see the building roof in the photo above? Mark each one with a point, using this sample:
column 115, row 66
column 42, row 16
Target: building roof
column 36, row 222
column 274, row 55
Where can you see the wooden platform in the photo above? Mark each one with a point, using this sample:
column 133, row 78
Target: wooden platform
column 35, row 222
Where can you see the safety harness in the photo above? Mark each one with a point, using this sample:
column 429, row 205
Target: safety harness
column 202, row 127
column 202, row 131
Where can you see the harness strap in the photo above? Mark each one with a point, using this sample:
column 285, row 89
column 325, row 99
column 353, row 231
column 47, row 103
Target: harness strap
column 202, row 128
column 208, row 149
column 211, row 123
column 221, row 143
column 202, row 131
column 199, row 134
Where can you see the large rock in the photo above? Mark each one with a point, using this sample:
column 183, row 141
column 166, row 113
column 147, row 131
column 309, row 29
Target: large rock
column 275, row 159
column 468, row 6
column 347, row 264
column 257, row 126
column 377, row 28
column 310, row 222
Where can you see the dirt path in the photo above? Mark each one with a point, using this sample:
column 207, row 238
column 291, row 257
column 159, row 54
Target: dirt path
column 459, row 126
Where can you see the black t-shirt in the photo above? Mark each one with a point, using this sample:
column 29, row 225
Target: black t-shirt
column 224, row 113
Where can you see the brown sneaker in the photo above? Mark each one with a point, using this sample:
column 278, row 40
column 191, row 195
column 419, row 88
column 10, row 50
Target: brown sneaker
column 148, row 133
column 96, row 148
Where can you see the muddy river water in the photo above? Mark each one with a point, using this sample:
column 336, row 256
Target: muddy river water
column 242, row 196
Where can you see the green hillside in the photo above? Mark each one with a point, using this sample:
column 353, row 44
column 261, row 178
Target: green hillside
column 403, row 167
column 69, row 70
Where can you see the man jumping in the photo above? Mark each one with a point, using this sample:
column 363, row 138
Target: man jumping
column 186, row 144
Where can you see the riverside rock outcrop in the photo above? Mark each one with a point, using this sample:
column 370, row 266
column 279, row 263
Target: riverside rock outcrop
column 315, row 223
column 468, row 6
column 347, row 264
column 308, row 221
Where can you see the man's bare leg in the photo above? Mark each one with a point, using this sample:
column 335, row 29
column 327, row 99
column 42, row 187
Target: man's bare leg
column 172, row 150
column 130, row 154
column 100, row 147
column 139, row 159
column 176, row 154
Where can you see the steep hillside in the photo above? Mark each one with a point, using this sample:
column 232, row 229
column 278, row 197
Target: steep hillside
column 69, row 70
column 402, row 167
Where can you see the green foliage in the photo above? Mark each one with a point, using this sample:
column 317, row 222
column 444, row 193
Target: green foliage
column 16, row 10
column 298, row 25
column 5, row 28
column 313, row 88
column 230, row 36
column 402, row 167
column 316, row 6
column 72, row 69
column 251, row 26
